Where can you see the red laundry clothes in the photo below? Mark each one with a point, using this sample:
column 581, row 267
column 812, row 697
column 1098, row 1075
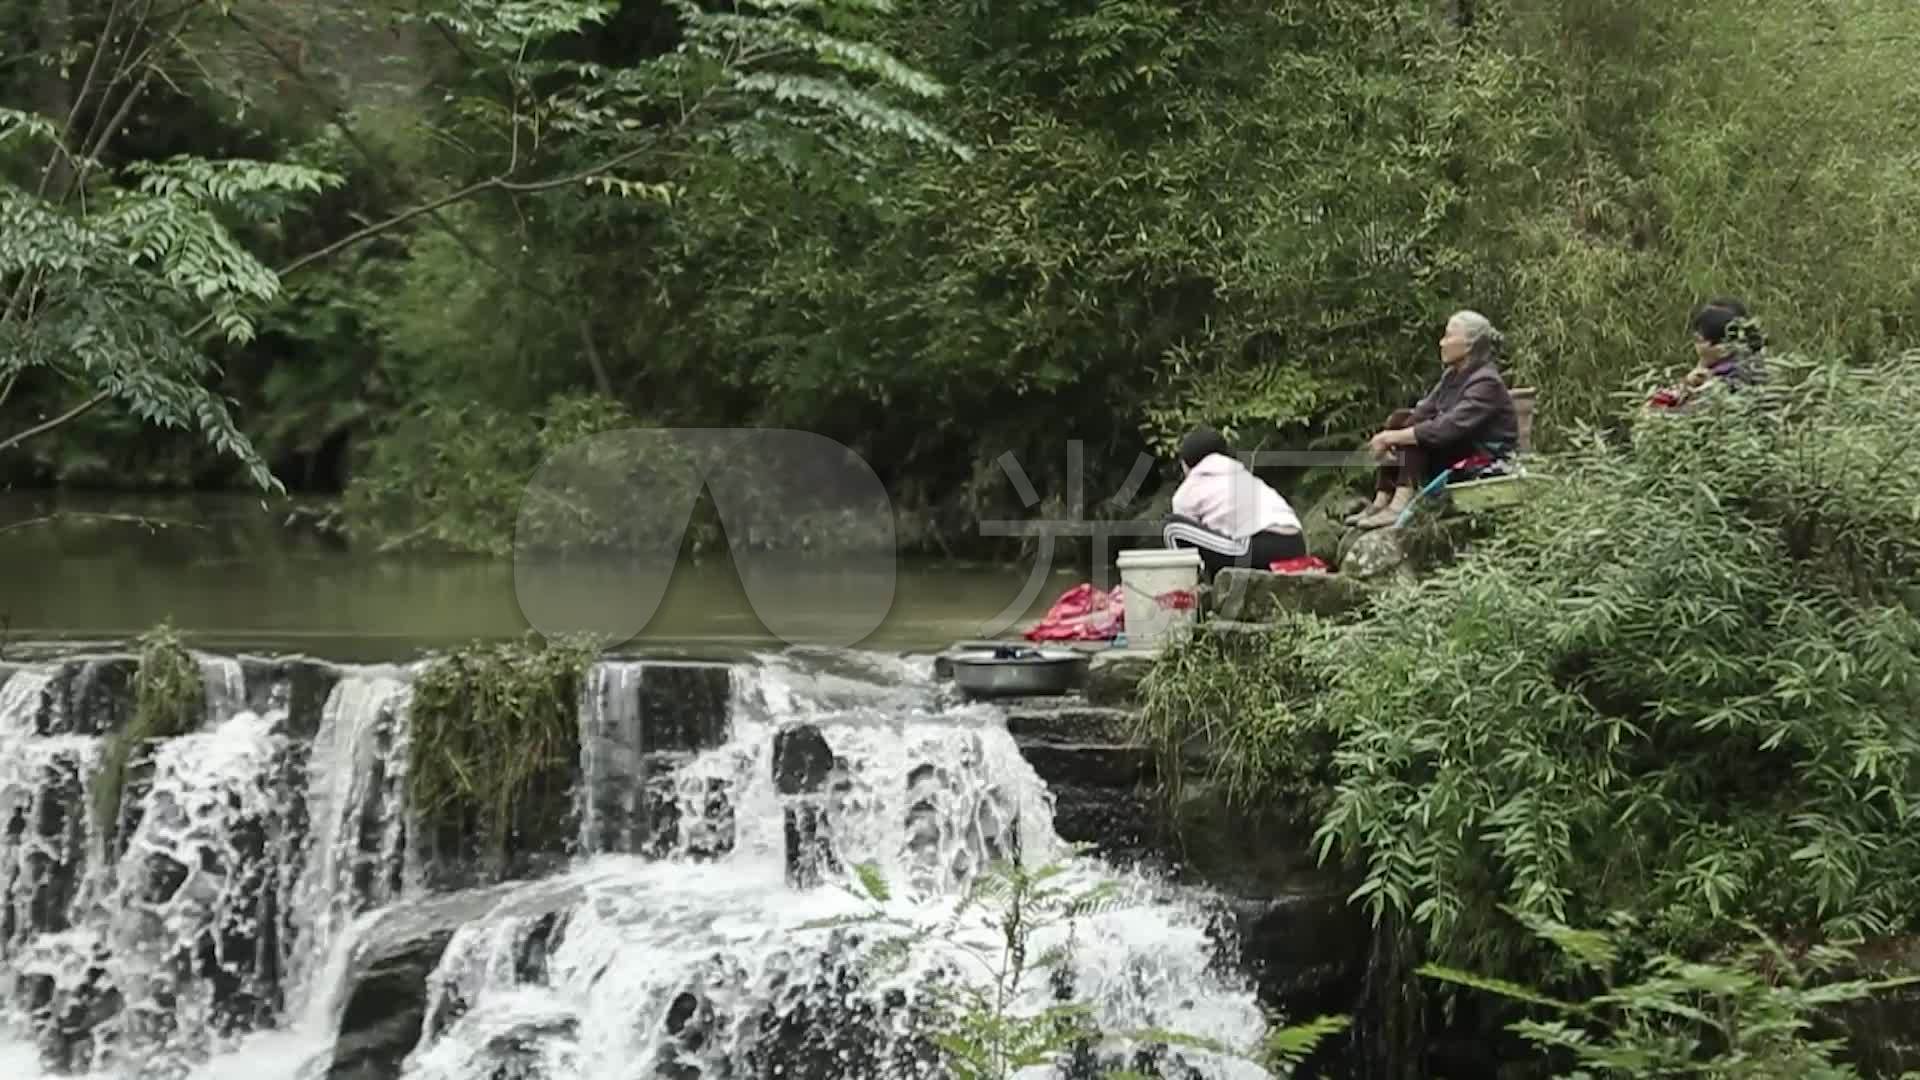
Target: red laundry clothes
column 1666, row 398
column 1304, row 564
column 1082, row 613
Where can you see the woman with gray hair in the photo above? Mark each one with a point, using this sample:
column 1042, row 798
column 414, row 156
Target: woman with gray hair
column 1467, row 412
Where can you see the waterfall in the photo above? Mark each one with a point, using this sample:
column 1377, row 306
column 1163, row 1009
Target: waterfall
column 703, row 924
column 691, row 965
column 356, row 856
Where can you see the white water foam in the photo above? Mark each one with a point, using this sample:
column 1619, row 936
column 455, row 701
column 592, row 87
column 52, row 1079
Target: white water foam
column 704, row 963
column 677, row 968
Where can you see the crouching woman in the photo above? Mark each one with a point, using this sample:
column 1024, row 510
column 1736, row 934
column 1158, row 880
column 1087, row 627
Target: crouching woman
column 1227, row 514
column 1468, row 412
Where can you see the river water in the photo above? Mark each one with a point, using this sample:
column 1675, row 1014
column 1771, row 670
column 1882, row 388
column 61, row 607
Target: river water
column 227, row 573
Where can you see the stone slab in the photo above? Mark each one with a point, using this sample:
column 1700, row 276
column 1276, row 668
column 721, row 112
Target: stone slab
column 1245, row 595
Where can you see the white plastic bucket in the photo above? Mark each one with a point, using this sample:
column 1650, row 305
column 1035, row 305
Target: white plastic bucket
column 1159, row 587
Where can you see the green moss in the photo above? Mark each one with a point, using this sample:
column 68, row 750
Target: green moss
column 489, row 722
column 169, row 699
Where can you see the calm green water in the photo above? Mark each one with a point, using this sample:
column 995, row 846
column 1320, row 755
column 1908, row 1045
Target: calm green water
column 232, row 577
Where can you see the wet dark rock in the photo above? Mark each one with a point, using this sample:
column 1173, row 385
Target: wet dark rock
column 298, row 684
column 1120, row 824
column 1881, row 1032
column 515, row 1054
column 665, row 834
column 530, row 961
column 809, row 849
column 1263, row 851
column 164, row 876
column 386, row 1000
column 89, row 695
column 802, row 760
column 58, row 816
column 830, row 1027
column 1091, row 764
column 1070, row 724
column 1097, row 770
column 1306, row 951
column 1114, row 676
column 1260, row 595
column 64, row 1021
column 685, row 706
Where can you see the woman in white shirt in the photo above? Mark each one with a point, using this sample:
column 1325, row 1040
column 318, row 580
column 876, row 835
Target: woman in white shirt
column 1227, row 514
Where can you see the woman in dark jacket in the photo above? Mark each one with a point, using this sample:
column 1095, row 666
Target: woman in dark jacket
column 1468, row 411
column 1730, row 349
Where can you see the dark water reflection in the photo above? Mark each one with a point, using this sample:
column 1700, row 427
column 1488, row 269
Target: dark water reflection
column 231, row 575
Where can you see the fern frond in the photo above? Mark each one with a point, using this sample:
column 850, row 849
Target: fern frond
column 1500, row 987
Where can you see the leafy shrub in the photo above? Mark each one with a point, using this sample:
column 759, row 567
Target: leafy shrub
column 1680, row 681
column 1751, row 1017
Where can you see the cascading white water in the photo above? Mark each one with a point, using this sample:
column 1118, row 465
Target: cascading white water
column 218, row 908
column 674, row 945
column 356, row 856
column 715, row 968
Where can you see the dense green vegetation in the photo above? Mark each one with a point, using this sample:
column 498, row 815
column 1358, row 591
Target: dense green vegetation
column 493, row 737
column 1152, row 212
column 1679, row 683
column 1756, row 1017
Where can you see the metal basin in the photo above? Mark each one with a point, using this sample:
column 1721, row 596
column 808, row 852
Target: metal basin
column 1018, row 671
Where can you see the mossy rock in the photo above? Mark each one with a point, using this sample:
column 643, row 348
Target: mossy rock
column 169, row 698
column 1244, row 595
column 1247, row 851
column 1427, row 542
column 1068, row 722
column 1114, row 676
column 1324, row 526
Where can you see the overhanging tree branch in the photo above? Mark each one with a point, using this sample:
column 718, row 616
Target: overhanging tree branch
column 64, row 418
column 495, row 183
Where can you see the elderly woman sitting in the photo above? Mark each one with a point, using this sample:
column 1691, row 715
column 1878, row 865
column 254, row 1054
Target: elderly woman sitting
column 1468, row 411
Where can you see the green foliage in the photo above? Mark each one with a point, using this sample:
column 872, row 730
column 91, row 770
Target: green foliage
column 490, row 726
column 1242, row 696
column 168, row 699
column 453, row 476
column 102, row 297
column 1138, row 215
column 1750, row 1017
column 990, row 1029
column 114, row 267
column 1678, row 681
